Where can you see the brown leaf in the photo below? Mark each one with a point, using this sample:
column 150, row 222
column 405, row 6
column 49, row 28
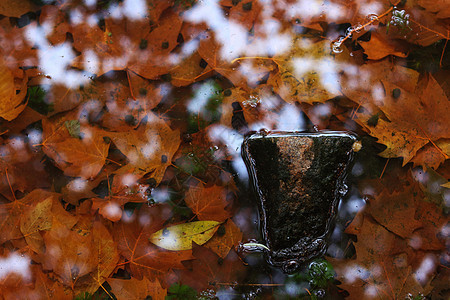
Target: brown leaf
column 208, row 203
column 227, row 236
column 134, row 289
column 440, row 7
column 145, row 91
column 18, row 53
column 47, row 286
column 257, row 106
column 429, row 236
column 414, row 119
column 17, row 8
column 30, row 282
column 35, row 219
column 69, row 254
column 187, row 71
column 209, row 269
column 125, row 188
column 431, row 155
column 11, row 213
column 392, row 278
column 149, row 149
column 57, row 19
column 303, row 73
column 394, row 209
column 246, row 13
column 379, row 47
column 381, row 269
column 406, row 132
column 105, row 255
column 363, row 84
column 78, row 189
column 144, row 259
column 425, row 28
column 18, row 163
column 78, row 157
column 209, row 50
column 11, row 103
column 64, row 98
column 161, row 41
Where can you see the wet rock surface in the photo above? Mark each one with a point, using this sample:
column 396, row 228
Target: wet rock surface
column 299, row 179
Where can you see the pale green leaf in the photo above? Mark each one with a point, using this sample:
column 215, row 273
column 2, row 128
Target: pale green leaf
column 180, row 237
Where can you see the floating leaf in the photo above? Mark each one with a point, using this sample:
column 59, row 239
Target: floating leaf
column 150, row 148
column 303, row 72
column 77, row 157
column 180, row 237
column 136, row 289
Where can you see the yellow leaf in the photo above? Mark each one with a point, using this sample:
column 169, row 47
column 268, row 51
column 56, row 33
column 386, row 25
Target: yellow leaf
column 180, row 237
column 35, row 219
column 304, row 73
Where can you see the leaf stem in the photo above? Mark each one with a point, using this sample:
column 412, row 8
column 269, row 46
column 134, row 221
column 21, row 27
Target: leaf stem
column 256, row 245
column 9, row 183
column 385, row 165
column 246, row 284
column 250, row 57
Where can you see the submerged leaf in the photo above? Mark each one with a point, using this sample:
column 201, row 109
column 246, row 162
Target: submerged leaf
column 11, row 103
column 180, row 237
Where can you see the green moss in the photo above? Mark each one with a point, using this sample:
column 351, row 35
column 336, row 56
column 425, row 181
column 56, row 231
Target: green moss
column 37, row 100
column 181, row 291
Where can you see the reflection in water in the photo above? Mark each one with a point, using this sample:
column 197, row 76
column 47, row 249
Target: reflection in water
column 132, row 103
column 55, row 60
column 231, row 35
column 15, row 264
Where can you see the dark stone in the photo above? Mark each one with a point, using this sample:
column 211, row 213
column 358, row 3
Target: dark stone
column 299, row 180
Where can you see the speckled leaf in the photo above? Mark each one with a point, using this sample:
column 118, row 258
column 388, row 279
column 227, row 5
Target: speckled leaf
column 180, row 237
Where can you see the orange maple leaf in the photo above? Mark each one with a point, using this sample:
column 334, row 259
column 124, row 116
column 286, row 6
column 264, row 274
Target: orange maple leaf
column 125, row 188
column 78, row 157
column 133, row 288
column 414, row 119
column 208, row 269
column 69, row 254
column 208, row 203
column 228, row 235
column 106, row 256
column 149, row 148
column 381, row 269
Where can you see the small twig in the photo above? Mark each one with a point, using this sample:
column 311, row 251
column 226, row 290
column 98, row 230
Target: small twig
column 9, row 183
column 353, row 114
column 429, row 139
column 442, row 54
column 246, row 284
column 361, row 27
column 129, row 84
column 385, row 165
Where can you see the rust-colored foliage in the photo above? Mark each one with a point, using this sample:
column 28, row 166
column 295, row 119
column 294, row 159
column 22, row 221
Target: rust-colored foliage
column 208, row 203
column 121, row 123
